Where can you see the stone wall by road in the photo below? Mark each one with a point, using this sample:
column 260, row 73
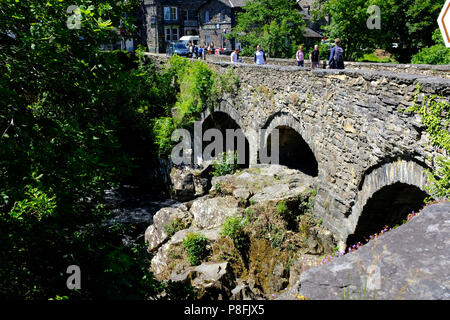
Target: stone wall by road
column 421, row 69
column 352, row 120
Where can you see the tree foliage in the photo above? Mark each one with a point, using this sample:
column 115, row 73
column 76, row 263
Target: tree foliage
column 198, row 87
column 275, row 24
column 435, row 114
column 75, row 121
column 436, row 54
column 409, row 23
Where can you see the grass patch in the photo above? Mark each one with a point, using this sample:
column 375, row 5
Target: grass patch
column 372, row 57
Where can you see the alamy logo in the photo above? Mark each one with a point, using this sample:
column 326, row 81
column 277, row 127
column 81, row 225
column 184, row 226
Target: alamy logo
column 185, row 153
column 74, row 21
column 373, row 280
column 374, row 21
column 74, row 280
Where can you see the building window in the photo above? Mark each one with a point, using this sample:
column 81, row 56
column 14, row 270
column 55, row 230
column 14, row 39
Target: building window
column 175, row 34
column 171, row 34
column 207, row 16
column 170, row 13
column 167, row 34
column 207, row 39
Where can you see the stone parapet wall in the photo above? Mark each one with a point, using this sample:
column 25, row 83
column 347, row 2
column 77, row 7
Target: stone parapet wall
column 422, row 69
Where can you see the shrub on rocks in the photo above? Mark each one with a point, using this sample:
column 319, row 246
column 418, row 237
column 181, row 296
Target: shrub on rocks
column 195, row 245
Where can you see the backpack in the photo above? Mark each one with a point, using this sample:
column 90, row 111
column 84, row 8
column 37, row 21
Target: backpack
column 339, row 58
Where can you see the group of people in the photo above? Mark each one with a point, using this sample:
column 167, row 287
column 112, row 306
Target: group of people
column 259, row 56
column 199, row 52
column 336, row 60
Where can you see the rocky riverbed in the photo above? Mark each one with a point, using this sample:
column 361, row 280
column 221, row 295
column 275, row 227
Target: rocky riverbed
column 279, row 236
column 283, row 250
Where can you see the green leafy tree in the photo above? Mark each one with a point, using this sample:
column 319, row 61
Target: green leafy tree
column 436, row 54
column 196, row 88
column 275, row 24
column 348, row 22
column 409, row 23
column 74, row 122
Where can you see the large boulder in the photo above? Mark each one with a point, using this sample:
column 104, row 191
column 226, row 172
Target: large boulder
column 278, row 192
column 211, row 213
column 245, row 290
column 182, row 180
column 409, row 262
column 213, row 281
column 161, row 260
column 187, row 183
column 156, row 234
column 264, row 183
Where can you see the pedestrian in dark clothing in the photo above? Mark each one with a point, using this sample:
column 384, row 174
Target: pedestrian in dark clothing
column 336, row 60
column 195, row 52
column 315, row 57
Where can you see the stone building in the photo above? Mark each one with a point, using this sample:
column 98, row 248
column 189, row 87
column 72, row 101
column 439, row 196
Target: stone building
column 216, row 18
column 164, row 21
column 313, row 33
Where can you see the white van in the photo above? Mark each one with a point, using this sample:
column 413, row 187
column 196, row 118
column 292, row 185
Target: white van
column 193, row 39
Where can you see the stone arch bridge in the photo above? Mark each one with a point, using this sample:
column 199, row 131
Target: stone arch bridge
column 348, row 128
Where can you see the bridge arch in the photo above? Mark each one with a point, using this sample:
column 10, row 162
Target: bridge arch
column 222, row 119
column 388, row 193
column 296, row 148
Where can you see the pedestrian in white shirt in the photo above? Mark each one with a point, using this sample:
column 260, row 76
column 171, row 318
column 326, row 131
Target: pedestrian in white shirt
column 235, row 56
column 260, row 56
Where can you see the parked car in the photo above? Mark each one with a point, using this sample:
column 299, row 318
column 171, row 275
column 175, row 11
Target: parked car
column 178, row 48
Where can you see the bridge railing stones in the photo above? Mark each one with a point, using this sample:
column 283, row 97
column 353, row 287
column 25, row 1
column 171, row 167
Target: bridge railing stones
column 442, row 71
column 353, row 120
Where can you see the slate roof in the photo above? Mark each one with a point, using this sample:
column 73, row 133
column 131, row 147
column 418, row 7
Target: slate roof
column 232, row 3
column 194, row 4
column 310, row 33
column 236, row 3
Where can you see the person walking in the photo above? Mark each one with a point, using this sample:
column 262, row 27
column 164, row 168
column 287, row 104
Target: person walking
column 260, row 56
column 300, row 57
column 235, row 56
column 195, row 51
column 336, row 60
column 315, row 57
column 200, row 52
column 191, row 50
